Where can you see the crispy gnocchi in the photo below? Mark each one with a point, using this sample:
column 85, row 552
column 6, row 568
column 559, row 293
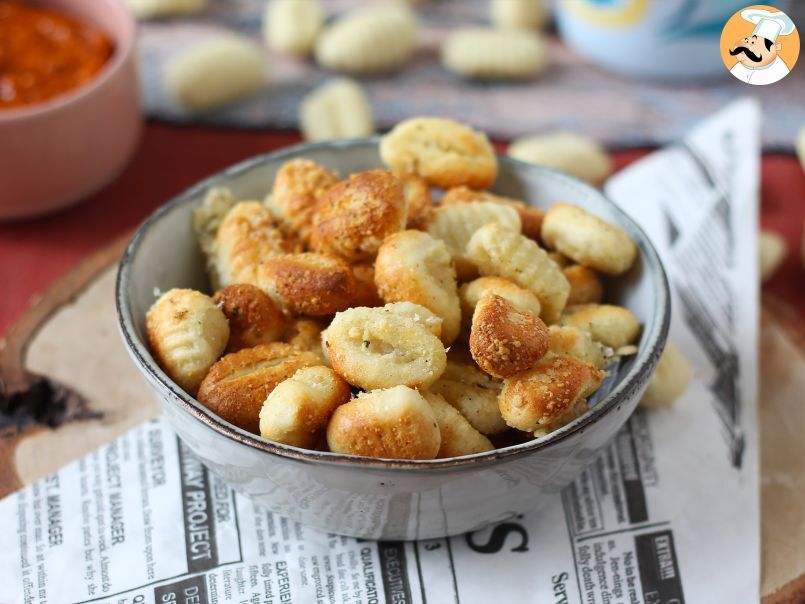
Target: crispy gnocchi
column 443, row 152
column 366, row 293
column 458, row 437
column 298, row 187
column 412, row 266
column 418, row 198
column 253, row 316
column 522, row 299
column 491, row 54
column 455, row 224
column 577, row 343
column 297, row 411
column 309, row 283
column 549, row 395
column 305, row 334
column 236, row 386
column 530, row 217
column 588, row 240
column 420, row 314
column 187, row 332
column 505, row 340
column 586, row 286
column 394, row 423
column 207, row 219
column 473, row 392
column 355, row 215
column 248, row 235
column 397, row 313
column 379, row 348
column 499, row 251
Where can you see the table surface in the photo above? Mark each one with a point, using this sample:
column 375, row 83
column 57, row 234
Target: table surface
column 171, row 158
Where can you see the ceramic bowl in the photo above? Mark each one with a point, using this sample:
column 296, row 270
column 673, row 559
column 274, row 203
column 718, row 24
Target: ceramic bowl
column 375, row 498
column 58, row 152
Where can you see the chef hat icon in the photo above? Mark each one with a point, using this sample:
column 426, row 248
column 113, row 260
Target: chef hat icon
column 768, row 25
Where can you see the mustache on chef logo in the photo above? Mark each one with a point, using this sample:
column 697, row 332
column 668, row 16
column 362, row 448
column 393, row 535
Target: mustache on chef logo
column 752, row 56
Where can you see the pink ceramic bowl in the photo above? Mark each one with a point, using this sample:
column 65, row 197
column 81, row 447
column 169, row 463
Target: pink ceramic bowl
column 58, row 152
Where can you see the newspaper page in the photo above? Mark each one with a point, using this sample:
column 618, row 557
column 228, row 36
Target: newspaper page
column 667, row 513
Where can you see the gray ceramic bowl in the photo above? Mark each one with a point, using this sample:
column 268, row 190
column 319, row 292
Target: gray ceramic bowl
column 375, row 498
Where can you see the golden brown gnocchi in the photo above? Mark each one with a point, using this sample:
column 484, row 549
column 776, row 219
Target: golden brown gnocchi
column 530, row 217
column 412, row 266
column 237, row 385
column 395, row 423
column 298, row 186
column 470, row 293
column 499, row 251
column 365, row 289
column 576, row 343
column 588, row 240
column 304, row 334
column 549, row 395
column 207, row 219
column 357, row 214
column 418, row 198
column 586, row 286
column 420, row 314
column 473, row 393
column 455, row 224
column 443, row 152
column 378, row 348
column 362, row 305
column 296, row 412
column 505, row 340
column 458, row 437
column 253, row 316
column 248, row 235
column 309, row 283
column 187, row 332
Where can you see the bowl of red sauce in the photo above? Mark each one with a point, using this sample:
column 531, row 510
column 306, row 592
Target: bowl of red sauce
column 70, row 114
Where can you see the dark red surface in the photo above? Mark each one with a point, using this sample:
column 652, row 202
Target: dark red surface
column 170, row 158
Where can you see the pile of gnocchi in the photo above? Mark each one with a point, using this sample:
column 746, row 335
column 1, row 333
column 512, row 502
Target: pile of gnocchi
column 401, row 313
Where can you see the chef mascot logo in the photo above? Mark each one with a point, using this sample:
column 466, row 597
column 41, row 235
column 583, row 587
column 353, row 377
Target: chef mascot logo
column 760, row 45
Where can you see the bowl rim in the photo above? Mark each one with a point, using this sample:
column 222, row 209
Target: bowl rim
column 639, row 372
column 124, row 49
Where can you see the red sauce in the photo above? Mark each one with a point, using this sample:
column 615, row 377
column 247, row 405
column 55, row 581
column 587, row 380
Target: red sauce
column 44, row 53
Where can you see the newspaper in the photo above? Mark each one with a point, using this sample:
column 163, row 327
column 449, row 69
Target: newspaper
column 667, row 513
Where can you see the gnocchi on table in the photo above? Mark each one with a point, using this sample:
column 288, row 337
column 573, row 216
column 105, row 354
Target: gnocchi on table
column 400, row 313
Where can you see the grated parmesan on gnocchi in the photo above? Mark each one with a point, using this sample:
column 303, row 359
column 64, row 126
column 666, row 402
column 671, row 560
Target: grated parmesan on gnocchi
column 399, row 313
